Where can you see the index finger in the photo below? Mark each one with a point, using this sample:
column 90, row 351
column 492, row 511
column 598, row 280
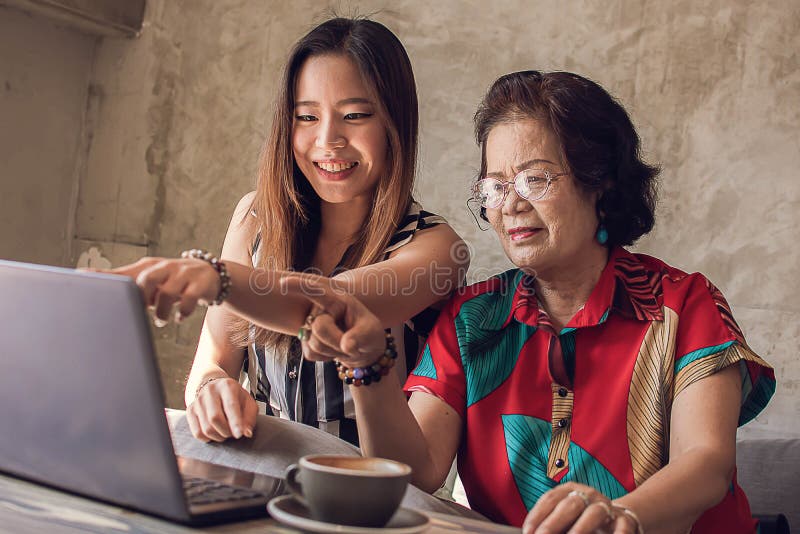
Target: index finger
column 134, row 269
column 543, row 507
column 315, row 291
column 233, row 410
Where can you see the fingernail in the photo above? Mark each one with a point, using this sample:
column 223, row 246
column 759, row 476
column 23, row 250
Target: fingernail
column 237, row 431
column 248, row 432
column 178, row 317
column 160, row 323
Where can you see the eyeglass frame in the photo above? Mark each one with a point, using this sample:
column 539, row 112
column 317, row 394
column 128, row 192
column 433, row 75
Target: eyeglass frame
column 549, row 176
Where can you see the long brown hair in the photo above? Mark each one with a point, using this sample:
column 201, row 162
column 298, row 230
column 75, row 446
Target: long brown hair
column 286, row 207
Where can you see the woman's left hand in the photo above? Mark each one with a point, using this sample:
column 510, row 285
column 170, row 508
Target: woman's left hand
column 341, row 327
column 577, row 509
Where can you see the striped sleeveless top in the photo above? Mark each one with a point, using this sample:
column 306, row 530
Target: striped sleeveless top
column 290, row 387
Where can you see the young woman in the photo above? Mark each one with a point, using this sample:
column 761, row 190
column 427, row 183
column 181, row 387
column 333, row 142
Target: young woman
column 333, row 197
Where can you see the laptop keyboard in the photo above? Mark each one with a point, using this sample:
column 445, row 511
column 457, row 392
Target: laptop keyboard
column 205, row 491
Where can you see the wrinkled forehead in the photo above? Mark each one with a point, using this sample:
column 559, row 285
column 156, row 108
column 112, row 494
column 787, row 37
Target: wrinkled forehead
column 520, row 144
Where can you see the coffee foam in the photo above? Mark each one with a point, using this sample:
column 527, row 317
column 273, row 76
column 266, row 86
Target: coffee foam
column 356, row 465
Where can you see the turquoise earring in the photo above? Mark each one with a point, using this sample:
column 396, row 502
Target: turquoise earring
column 602, row 235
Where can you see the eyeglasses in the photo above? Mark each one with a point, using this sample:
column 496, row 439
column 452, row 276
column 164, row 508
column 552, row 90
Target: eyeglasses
column 530, row 184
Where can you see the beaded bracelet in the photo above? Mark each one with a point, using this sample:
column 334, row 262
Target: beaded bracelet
column 364, row 376
column 219, row 266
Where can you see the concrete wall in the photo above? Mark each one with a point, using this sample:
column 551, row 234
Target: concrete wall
column 44, row 77
column 177, row 118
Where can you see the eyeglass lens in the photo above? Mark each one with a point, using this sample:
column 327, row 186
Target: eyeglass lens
column 530, row 184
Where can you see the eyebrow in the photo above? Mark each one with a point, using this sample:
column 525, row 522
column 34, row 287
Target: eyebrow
column 521, row 166
column 346, row 101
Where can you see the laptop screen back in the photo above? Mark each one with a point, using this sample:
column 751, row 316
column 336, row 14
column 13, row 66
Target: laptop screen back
column 81, row 405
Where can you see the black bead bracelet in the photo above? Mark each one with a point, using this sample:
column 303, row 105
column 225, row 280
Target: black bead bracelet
column 219, row 266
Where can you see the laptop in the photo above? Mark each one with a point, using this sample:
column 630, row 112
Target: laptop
column 82, row 407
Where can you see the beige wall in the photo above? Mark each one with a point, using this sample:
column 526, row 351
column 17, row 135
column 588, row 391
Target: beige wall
column 177, row 118
column 44, row 81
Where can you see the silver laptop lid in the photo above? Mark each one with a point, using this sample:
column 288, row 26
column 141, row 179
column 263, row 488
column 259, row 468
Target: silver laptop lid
column 81, row 405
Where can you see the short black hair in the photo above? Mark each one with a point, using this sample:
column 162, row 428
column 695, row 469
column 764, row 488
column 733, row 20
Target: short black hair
column 597, row 138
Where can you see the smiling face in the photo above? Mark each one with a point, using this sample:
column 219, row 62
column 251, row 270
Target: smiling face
column 339, row 139
column 555, row 233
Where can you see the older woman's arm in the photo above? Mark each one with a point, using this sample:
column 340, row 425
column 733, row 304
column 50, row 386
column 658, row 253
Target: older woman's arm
column 423, row 432
column 702, row 456
column 702, row 459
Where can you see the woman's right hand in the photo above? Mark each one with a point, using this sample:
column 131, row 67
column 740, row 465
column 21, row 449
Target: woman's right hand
column 164, row 282
column 221, row 410
column 342, row 327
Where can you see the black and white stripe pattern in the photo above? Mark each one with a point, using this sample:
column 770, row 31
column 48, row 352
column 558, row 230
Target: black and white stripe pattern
column 322, row 400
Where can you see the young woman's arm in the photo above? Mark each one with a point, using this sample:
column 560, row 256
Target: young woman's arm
column 415, row 276
column 222, row 408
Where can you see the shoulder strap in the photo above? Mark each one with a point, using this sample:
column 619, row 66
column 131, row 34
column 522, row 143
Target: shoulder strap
column 415, row 219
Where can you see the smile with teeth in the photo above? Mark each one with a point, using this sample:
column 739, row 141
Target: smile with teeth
column 335, row 167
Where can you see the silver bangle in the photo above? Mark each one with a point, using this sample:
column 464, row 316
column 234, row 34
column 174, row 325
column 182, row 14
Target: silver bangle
column 630, row 513
column 610, row 516
column 204, row 383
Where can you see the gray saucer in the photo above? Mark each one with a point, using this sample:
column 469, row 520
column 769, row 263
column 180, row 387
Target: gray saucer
column 293, row 513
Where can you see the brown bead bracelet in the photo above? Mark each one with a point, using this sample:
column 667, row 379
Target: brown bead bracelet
column 364, row 376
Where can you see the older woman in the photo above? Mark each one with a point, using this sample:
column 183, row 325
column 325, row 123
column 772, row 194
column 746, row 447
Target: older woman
column 590, row 388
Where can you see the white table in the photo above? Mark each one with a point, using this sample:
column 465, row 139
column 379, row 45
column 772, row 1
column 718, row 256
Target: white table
column 31, row 508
